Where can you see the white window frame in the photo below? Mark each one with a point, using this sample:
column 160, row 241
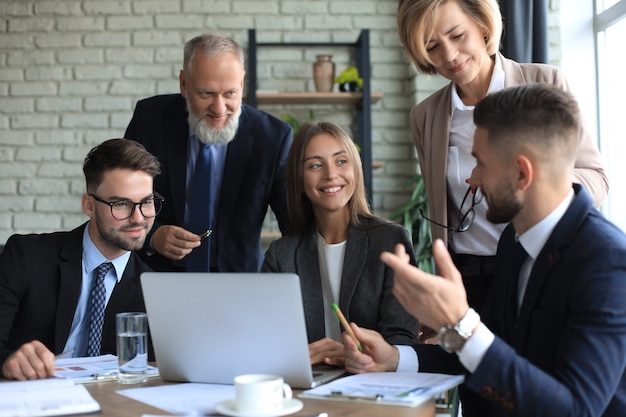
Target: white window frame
column 613, row 151
column 580, row 26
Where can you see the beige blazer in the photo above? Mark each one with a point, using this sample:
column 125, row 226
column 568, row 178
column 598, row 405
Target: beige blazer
column 430, row 128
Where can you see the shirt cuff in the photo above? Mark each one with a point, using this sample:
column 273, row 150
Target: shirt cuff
column 476, row 347
column 407, row 359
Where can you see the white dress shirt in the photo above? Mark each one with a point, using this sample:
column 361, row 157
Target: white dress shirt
column 533, row 240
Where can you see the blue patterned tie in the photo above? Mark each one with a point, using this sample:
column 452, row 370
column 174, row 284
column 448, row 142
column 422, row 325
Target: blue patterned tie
column 200, row 211
column 97, row 303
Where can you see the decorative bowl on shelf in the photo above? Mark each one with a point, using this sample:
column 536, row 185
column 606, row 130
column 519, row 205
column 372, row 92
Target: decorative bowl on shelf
column 351, row 86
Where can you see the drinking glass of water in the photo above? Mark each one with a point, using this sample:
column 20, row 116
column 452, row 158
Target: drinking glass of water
column 132, row 347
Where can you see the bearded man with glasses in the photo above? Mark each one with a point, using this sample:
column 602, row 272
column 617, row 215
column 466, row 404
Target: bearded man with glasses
column 60, row 292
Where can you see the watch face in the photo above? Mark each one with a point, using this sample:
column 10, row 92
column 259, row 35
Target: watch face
column 453, row 338
column 451, row 341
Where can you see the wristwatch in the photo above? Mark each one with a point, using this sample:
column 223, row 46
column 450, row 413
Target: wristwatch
column 452, row 338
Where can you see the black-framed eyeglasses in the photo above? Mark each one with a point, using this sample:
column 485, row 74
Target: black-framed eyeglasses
column 466, row 218
column 124, row 209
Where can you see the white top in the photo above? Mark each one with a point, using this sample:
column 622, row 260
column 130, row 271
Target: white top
column 482, row 237
column 331, row 268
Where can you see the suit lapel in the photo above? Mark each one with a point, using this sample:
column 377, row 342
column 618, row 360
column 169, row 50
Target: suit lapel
column 237, row 157
column 353, row 264
column 542, row 268
column 550, row 256
column 126, row 289
column 307, row 265
column 439, row 152
column 177, row 158
column 513, row 70
column 71, row 273
column 126, row 296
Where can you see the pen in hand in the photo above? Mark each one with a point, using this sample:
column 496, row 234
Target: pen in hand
column 342, row 319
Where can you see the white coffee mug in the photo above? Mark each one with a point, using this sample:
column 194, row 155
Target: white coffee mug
column 260, row 393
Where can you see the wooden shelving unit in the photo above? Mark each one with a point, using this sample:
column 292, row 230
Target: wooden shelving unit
column 361, row 101
column 310, row 98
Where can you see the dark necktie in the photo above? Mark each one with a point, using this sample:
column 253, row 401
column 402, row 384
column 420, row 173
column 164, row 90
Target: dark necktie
column 200, row 211
column 518, row 257
column 97, row 300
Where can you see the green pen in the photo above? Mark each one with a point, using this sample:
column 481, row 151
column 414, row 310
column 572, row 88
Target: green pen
column 342, row 320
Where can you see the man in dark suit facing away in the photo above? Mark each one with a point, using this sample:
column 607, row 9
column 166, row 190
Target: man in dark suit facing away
column 47, row 280
column 246, row 150
column 551, row 338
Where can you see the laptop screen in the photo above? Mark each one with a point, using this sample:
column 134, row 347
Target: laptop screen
column 210, row 327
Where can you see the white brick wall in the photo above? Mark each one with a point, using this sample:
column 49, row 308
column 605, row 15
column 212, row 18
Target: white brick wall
column 72, row 70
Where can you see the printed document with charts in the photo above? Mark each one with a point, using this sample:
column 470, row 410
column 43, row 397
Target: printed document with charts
column 408, row 389
column 45, row 397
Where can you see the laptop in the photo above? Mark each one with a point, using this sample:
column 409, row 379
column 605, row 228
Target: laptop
column 211, row 327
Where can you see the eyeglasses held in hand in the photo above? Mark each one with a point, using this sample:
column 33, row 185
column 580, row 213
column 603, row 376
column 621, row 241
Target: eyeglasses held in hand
column 124, row 209
column 466, row 218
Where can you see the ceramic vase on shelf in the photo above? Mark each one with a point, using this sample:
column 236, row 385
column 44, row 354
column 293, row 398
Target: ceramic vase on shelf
column 324, row 73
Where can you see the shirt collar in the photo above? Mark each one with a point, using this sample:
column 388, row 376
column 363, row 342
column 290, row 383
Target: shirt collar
column 534, row 239
column 92, row 257
column 496, row 84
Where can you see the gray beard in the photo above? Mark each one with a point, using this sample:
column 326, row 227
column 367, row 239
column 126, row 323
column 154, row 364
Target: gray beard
column 209, row 135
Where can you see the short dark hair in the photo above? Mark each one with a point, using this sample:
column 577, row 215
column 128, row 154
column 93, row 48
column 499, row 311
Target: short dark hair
column 540, row 115
column 118, row 154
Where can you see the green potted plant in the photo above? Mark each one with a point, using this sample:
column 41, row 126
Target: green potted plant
column 349, row 80
column 409, row 216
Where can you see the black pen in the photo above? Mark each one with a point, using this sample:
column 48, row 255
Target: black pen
column 206, row 234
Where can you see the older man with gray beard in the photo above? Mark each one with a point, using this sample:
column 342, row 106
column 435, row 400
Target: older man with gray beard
column 223, row 164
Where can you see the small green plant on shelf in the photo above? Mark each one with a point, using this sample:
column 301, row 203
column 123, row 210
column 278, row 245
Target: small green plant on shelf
column 349, row 80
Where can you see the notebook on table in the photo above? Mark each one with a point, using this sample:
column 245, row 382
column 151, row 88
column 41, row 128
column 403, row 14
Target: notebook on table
column 211, row 327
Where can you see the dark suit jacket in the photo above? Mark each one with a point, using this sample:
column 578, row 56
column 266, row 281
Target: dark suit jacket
column 254, row 178
column 365, row 295
column 566, row 355
column 40, row 281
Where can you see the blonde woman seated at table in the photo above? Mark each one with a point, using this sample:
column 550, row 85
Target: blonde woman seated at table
column 334, row 244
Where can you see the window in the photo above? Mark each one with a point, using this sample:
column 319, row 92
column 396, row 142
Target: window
column 610, row 32
column 602, row 5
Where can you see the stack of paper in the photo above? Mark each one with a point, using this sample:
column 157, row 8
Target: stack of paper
column 91, row 369
column 45, row 397
column 393, row 388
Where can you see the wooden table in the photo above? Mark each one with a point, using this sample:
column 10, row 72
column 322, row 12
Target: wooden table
column 116, row 405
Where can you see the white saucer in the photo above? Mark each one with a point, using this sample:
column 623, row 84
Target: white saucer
column 288, row 407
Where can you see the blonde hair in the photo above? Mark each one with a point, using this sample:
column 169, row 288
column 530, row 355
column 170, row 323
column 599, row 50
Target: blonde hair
column 415, row 16
column 299, row 206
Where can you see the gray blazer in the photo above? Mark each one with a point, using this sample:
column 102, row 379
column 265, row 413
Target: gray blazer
column 365, row 295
